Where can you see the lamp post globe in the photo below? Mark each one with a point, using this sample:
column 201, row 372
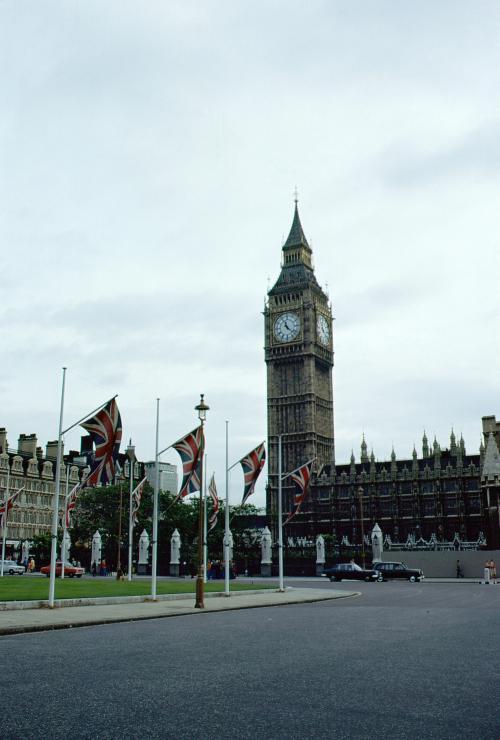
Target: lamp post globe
column 202, row 409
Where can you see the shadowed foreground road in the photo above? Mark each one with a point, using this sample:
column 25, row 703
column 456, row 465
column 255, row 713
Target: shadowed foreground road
column 400, row 661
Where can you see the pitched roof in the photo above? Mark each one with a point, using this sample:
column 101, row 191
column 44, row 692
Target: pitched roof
column 296, row 237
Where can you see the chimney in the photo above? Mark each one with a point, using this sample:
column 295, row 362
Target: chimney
column 86, row 444
column 27, row 445
column 51, row 450
column 3, row 439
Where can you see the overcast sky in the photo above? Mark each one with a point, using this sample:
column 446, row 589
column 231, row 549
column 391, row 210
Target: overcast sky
column 149, row 154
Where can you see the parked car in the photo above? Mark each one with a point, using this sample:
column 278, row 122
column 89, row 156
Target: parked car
column 12, row 568
column 350, row 571
column 69, row 570
column 397, row 570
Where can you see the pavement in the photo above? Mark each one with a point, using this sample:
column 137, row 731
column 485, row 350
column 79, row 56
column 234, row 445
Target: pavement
column 105, row 611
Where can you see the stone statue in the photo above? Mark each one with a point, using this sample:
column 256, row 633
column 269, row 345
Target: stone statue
column 142, row 565
column 320, row 550
column 25, row 551
column 265, row 545
column 144, row 548
column 96, row 549
column 175, row 547
column 320, row 555
column 377, row 544
column 65, row 546
column 175, row 551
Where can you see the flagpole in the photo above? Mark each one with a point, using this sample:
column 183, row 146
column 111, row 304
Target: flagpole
column 226, row 518
column 90, row 414
column 63, row 546
column 131, row 457
column 55, row 513
column 4, row 518
column 280, row 517
column 154, row 559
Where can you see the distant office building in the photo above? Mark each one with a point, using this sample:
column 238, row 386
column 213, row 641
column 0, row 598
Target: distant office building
column 168, row 476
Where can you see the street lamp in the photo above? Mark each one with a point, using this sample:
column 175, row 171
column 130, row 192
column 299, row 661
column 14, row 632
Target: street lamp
column 360, row 494
column 130, row 451
column 202, row 409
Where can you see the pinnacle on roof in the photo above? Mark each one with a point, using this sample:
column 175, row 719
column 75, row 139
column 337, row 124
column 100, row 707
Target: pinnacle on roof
column 296, row 237
column 491, row 464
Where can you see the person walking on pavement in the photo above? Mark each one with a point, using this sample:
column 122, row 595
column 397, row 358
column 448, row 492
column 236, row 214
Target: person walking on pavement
column 460, row 573
column 493, row 572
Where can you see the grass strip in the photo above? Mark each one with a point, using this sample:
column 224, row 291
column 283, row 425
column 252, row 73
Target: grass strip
column 34, row 588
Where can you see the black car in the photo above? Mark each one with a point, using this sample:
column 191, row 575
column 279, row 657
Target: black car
column 350, row 571
column 397, row 570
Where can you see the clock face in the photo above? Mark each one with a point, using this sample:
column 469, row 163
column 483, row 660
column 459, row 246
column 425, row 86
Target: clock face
column 323, row 329
column 286, row 327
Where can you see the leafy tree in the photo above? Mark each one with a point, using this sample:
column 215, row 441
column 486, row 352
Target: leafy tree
column 40, row 548
column 99, row 509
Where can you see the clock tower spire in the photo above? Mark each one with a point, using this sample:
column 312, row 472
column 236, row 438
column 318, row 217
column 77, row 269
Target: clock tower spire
column 299, row 359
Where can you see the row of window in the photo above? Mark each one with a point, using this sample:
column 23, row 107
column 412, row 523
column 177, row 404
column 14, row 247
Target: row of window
column 29, row 517
column 428, row 507
column 471, row 484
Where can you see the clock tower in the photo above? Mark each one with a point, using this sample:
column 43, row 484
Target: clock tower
column 299, row 359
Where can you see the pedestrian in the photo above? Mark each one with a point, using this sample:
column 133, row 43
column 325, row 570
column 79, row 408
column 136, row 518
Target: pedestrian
column 94, row 569
column 32, row 565
column 493, row 572
column 192, row 569
column 460, row 573
column 487, row 573
column 209, row 570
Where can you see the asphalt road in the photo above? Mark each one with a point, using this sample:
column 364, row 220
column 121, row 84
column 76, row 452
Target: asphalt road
column 400, row 661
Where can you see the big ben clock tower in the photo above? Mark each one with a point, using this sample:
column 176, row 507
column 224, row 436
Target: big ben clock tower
column 299, row 358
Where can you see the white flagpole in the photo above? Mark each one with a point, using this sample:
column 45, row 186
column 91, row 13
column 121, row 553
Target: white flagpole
column 205, row 533
column 63, row 545
column 4, row 520
column 154, row 559
column 226, row 519
column 280, row 517
column 130, row 522
column 55, row 513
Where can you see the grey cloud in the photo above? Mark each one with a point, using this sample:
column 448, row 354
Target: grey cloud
column 476, row 155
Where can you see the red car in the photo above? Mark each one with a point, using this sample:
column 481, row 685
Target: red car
column 69, row 570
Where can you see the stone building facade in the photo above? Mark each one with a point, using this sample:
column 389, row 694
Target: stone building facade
column 29, row 466
column 440, row 493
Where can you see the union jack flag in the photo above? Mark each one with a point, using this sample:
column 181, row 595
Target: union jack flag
column 6, row 506
column 105, row 428
column 252, row 464
column 71, row 502
column 212, row 489
column 302, row 478
column 136, row 501
column 190, row 448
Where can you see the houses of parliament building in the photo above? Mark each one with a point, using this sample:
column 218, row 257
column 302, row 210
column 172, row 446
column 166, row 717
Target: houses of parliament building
column 435, row 495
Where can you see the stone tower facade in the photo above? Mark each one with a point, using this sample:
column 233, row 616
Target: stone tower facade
column 299, row 359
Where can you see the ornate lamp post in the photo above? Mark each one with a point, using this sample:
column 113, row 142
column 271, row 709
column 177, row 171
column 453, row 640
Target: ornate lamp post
column 202, row 409
column 131, row 456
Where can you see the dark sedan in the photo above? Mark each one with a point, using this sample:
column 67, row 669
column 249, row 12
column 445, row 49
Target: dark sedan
column 397, row 570
column 350, row 571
